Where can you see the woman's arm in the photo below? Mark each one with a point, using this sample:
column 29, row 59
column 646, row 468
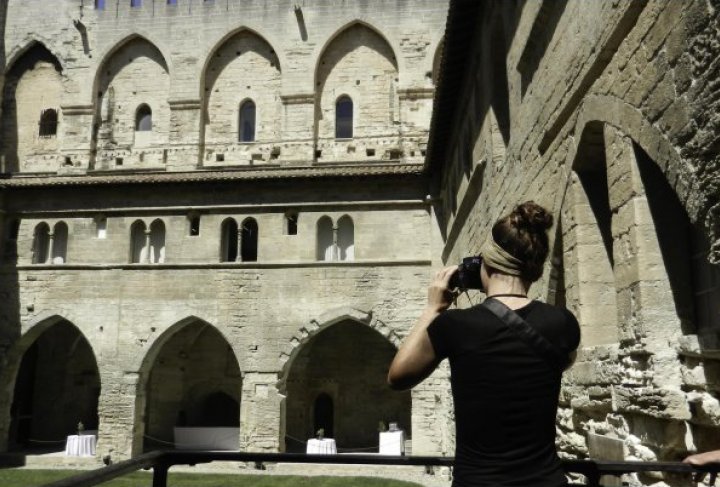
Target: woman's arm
column 416, row 358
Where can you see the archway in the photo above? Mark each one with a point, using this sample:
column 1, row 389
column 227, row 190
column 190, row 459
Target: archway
column 338, row 380
column 57, row 387
column 193, row 380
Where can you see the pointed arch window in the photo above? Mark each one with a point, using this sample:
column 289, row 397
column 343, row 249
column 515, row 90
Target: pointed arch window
column 157, row 242
column 325, row 240
column 346, row 238
column 249, row 244
column 48, row 123
column 41, row 244
column 344, row 118
column 59, row 242
column 229, row 241
column 143, row 118
column 138, row 245
column 246, row 124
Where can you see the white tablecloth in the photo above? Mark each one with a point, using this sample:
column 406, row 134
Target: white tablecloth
column 207, row 438
column 392, row 443
column 326, row 446
column 80, row 446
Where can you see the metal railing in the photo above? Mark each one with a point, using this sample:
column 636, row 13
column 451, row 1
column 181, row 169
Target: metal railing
column 162, row 460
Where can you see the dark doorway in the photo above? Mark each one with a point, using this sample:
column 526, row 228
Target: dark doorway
column 324, row 415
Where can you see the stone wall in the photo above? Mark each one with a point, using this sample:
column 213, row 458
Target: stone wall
column 609, row 123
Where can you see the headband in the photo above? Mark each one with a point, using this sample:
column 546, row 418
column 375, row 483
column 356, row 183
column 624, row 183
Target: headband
column 498, row 258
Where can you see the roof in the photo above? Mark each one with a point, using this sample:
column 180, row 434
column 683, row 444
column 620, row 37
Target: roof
column 278, row 173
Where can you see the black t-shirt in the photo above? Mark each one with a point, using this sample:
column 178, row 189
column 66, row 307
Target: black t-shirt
column 505, row 394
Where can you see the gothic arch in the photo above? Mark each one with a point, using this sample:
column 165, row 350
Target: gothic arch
column 320, row 50
column 31, row 42
column 114, row 47
column 219, row 42
column 325, row 320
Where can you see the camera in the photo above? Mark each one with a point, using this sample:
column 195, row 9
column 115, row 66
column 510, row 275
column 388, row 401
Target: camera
column 468, row 274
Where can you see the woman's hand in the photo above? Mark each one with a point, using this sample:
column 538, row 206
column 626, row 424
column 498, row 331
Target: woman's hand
column 439, row 296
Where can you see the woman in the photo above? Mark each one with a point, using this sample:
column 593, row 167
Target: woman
column 505, row 390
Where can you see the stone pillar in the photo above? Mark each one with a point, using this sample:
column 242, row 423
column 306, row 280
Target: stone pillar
column 147, row 260
column 76, row 140
column 186, row 142
column 261, row 411
column 121, row 412
column 298, row 129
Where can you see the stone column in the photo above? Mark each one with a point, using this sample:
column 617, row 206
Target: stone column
column 51, row 248
column 147, row 247
column 121, row 411
column 186, row 142
column 261, row 408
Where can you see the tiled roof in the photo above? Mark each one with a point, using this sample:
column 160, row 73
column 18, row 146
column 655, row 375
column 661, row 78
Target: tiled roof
column 297, row 172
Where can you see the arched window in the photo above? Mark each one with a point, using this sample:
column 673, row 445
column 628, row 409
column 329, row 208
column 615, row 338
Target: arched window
column 143, row 118
column 246, row 126
column 325, row 244
column 346, row 238
column 48, row 123
column 344, row 118
column 41, row 243
column 324, row 415
column 60, row 241
column 291, row 222
column 249, row 244
column 138, row 244
column 157, row 242
column 229, row 241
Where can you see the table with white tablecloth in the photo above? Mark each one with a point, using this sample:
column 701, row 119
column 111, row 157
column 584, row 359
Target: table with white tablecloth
column 80, row 445
column 200, row 438
column 392, row 443
column 325, row 446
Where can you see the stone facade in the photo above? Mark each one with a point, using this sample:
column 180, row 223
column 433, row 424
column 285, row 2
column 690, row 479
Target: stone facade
column 162, row 266
column 606, row 113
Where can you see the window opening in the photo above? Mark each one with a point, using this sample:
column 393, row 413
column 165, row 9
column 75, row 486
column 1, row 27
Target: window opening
column 41, row 243
column 48, row 123
column 346, row 238
column 249, row 244
column 344, row 118
column 157, row 242
column 194, row 229
column 136, row 3
column 172, row 2
column 99, row 4
column 291, row 222
column 247, row 121
column 59, row 244
column 101, row 227
column 143, row 118
column 229, row 241
column 138, row 248
column 325, row 243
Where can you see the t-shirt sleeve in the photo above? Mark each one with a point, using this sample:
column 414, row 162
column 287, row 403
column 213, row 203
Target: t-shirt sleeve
column 440, row 333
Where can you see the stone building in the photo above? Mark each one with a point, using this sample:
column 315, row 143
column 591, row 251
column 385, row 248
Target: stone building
column 608, row 114
column 214, row 213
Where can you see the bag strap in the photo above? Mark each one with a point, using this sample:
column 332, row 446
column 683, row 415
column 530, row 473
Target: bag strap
column 541, row 345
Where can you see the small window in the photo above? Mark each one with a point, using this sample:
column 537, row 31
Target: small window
column 344, row 118
column 291, row 221
column 136, row 3
column 194, row 229
column 138, row 243
column 48, row 123
column 143, row 118
column 325, row 244
column 60, row 242
column 172, row 2
column 41, row 244
column 99, row 4
column 247, row 121
column 346, row 238
column 101, row 227
column 157, row 242
column 228, row 241
column 249, row 241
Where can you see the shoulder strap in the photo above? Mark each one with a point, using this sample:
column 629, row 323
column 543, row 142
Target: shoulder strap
column 541, row 345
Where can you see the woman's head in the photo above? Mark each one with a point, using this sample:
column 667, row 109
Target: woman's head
column 523, row 235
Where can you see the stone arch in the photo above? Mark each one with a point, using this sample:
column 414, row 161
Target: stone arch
column 359, row 61
column 329, row 318
column 118, row 92
column 316, row 57
column 167, row 370
column 65, row 408
column 30, row 42
column 242, row 65
column 345, row 359
column 34, row 82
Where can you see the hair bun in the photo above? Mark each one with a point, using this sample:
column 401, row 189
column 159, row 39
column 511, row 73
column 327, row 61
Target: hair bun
column 531, row 216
